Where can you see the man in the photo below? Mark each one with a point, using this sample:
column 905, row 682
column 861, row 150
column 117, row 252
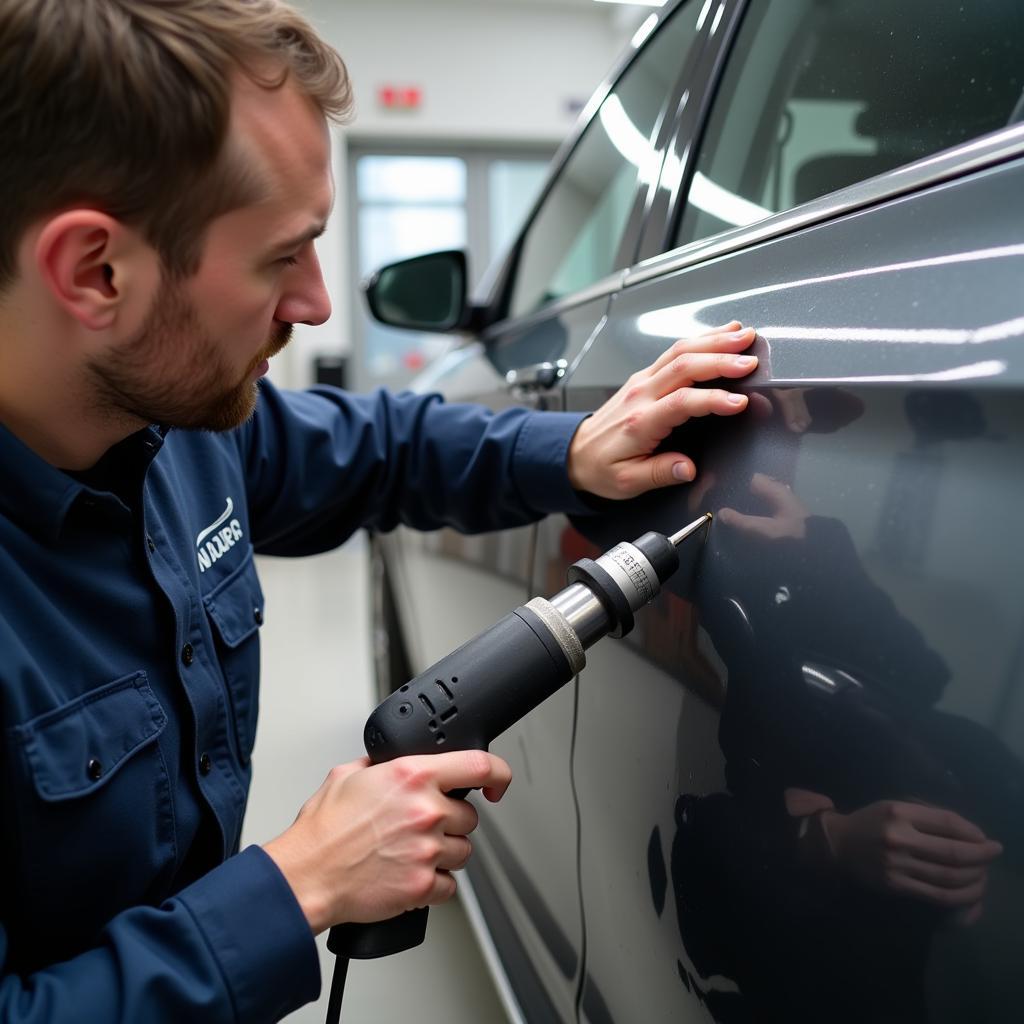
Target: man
column 165, row 172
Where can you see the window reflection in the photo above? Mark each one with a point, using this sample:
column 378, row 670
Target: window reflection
column 819, row 94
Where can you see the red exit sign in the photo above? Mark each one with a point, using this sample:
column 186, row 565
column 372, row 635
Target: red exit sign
column 400, row 97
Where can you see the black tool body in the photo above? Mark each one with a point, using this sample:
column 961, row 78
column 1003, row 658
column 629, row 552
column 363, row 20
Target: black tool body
column 461, row 703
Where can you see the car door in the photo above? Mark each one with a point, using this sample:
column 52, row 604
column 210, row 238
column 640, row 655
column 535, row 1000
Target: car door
column 544, row 307
column 837, row 668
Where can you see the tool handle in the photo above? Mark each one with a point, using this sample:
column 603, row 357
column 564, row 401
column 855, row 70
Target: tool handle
column 382, row 938
column 461, row 703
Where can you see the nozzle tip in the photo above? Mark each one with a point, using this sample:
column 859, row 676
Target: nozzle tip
column 687, row 531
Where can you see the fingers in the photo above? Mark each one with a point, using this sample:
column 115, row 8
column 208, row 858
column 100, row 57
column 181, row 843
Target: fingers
column 663, row 470
column 464, row 769
column 936, row 894
column 441, row 891
column 952, row 852
column 461, row 817
column 455, row 853
column 937, row 821
column 700, row 366
column 943, row 877
column 733, row 338
column 765, row 527
column 674, row 409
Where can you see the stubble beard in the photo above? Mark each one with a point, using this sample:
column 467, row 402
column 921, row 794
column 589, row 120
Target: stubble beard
column 172, row 374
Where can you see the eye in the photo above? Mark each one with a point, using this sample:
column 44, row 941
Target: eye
column 289, row 261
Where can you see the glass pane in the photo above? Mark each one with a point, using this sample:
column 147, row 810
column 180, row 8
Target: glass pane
column 573, row 241
column 411, row 179
column 394, row 231
column 393, row 357
column 512, row 186
column 389, row 233
column 820, row 94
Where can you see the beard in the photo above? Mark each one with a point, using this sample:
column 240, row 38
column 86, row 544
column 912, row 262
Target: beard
column 173, row 374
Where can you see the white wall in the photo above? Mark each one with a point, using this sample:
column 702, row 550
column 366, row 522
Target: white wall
column 491, row 72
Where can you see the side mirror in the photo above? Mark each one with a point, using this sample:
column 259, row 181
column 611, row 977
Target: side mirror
column 425, row 293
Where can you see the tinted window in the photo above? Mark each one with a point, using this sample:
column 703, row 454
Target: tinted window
column 573, row 240
column 819, row 94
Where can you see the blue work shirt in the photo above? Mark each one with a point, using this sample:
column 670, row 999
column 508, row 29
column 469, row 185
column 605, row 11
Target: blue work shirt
column 129, row 666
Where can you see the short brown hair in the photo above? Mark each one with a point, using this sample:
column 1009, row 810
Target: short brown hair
column 125, row 105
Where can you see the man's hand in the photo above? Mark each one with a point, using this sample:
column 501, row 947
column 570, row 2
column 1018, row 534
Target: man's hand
column 788, row 517
column 377, row 840
column 611, row 454
column 914, row 849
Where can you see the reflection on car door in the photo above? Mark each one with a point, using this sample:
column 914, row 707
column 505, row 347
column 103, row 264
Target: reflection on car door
column 846, row 642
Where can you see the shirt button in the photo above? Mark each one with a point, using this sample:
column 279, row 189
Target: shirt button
column 257, row 616
column 150, row 544
column 188, row 654
column 94, row 769
column 205, row 763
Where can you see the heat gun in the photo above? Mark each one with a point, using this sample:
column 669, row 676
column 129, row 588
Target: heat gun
column 475, row 693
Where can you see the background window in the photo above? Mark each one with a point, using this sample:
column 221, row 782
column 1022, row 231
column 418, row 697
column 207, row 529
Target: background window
column 573, row 240
column 819, row 94
column 408, row 204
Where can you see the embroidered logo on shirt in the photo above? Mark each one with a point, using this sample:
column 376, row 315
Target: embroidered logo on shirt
column 219, row 537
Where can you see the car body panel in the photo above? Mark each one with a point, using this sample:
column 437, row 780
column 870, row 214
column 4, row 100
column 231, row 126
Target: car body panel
column 888, row 406
column 854, row 633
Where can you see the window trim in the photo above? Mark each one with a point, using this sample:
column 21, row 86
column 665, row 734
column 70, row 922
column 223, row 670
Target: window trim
column 977, row 154
column 687, row 131
column 495, row 289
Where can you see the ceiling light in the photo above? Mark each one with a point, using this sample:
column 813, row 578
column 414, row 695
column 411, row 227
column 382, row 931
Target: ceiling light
column 635, row 3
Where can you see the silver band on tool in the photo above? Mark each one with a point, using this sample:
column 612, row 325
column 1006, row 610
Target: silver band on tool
column 561, row 631
column 628, row 566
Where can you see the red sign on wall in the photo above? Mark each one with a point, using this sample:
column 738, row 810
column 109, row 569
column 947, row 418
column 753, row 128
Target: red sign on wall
column 400, row 97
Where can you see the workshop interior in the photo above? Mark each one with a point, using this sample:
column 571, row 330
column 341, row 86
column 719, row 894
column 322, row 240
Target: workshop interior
column 764, row 717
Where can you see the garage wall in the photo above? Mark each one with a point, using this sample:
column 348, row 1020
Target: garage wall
column 499, row 73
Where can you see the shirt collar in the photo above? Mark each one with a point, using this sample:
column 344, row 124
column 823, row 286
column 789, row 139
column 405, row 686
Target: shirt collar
column 39, row 496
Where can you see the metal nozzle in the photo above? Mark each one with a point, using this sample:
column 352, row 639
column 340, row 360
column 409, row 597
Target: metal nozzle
column 686, row 531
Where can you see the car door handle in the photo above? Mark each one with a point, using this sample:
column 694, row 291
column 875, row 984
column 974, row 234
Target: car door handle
column 537, row 376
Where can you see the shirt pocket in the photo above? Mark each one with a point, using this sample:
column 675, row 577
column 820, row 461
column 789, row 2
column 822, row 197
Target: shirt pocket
column 96, row 820
column 235, row 609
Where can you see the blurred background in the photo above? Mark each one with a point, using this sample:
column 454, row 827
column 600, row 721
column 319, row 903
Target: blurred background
column 460, row 105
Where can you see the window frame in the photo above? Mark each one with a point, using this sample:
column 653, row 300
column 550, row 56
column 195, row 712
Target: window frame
column 497, row 287
column 656, row 248
column 477, row 157
column 688, row 133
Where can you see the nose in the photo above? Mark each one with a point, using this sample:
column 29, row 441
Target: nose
column 305, row 299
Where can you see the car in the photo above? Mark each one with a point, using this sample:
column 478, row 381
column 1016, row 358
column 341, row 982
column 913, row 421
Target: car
column 795, row 791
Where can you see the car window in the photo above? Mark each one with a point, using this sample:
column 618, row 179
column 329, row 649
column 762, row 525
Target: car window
column 819, row 94
column 574, row 238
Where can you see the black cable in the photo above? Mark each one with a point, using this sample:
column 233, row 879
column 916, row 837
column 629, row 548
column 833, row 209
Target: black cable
column 337, row 989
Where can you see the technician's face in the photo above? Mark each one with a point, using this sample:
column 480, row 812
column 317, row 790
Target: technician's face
column 175, row 373
column 195, row 361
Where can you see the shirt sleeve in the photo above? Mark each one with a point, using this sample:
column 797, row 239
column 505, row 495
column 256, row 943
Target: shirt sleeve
column 233, row 947
column 322, row 463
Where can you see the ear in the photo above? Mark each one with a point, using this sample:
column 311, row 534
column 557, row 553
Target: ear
column 96, row 268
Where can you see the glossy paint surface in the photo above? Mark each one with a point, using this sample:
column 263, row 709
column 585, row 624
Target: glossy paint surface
column 722, row 818
column 847, row 639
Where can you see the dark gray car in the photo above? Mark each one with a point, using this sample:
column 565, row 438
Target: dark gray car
column 796, row 791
